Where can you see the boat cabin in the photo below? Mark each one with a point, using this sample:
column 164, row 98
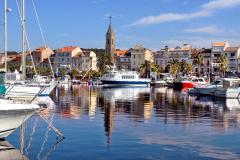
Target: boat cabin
column 231, row 83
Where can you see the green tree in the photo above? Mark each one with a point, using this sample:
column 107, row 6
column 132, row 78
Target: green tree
column 63, row 71
column 103, row 61
column 222, row 60
column 145, row 69
column 188, row 68
column 174, row 67
column 198, row 60
column 14, row 66
column 74, row 73
column 148, row 67
column 185, row 67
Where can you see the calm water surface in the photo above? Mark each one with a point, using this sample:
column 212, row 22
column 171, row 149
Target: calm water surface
column 132, row 124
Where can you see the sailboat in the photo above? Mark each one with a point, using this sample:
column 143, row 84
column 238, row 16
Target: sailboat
column 14, row 113
column 15, row 82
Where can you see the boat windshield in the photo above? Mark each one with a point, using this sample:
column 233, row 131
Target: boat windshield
column 200, row 80
column 217, row 83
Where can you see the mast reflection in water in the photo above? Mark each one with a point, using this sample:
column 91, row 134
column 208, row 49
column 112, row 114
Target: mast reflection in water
column 135, row 123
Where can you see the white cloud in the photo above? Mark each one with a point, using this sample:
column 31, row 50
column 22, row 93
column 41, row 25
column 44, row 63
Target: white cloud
column 206, row 10
column 220, row 4
column 205, row 29
column 169, row 17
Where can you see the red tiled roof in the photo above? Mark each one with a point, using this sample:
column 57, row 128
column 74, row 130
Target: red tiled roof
column 66, row 49
column 120, row 52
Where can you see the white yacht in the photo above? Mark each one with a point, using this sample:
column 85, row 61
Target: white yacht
column 114, row 77
column 13, row 114
column 230, row 89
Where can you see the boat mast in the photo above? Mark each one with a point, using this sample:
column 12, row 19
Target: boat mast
column 5, row 33
column 23, row 42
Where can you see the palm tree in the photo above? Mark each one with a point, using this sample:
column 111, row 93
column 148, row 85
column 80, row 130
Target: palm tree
column 198, row 60
column 148, row 67
column 185, row 67
column 74, row 73
column 188, row 68
column 155, row 68
column 222, row 60
column 145, row 69
column 63, row 72
column 174, row 67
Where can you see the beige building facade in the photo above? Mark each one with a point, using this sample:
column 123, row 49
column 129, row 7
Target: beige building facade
column 139, row 55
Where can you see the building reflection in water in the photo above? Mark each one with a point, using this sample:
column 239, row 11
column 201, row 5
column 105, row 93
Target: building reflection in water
column 142, row 104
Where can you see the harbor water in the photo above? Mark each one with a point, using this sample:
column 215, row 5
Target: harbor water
column 132, row 124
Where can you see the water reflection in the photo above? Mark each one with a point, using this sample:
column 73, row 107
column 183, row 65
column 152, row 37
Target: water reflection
column 8, row 152
column 161, row 116
column 142, row 104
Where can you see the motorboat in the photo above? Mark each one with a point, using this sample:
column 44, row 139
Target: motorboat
column 120, row 78
column 188, row 82
column 230, row 88
column 209, row 89
column 14, row 114
column 165, row 80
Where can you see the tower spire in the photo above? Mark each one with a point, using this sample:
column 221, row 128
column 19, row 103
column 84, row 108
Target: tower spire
column 110, row 41
column 110, row 18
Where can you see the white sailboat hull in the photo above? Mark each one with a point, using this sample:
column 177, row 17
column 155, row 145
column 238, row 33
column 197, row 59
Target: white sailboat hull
column 47, row 88
column 13, row 115
column 22, row 92
column 29, row 91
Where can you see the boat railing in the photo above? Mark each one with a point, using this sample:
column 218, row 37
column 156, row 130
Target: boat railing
column 22, row 96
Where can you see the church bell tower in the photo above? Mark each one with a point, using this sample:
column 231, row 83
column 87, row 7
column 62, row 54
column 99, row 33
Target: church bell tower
column 110, row 42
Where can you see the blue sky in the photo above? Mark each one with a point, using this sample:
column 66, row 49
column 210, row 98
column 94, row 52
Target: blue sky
column 152, row 23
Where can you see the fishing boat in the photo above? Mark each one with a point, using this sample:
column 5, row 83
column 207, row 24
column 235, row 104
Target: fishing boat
column 115, row 77
column 13, row 114
column 230, row 89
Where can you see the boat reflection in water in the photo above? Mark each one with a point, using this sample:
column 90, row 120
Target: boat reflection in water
column 140, row 103
column 8, row 152
column 148, row 121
